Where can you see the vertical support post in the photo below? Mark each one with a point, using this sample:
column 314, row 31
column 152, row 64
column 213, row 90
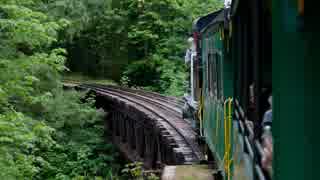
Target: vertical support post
column 147, row 145
column 128, row 130
column 153, row 151
column 133, row 135
column 120, row 125
column 137, row 138
column 141, row 142
column 149, row 149
column 123, row 128
column 111, row 124
column 158, row 160
column 117, row 123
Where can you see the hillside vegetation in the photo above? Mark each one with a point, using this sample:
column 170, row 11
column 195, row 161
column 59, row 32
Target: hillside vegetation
column 136, row 42
column 47, row 133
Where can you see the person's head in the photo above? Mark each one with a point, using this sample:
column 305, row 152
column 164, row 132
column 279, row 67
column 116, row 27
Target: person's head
column 190, row 41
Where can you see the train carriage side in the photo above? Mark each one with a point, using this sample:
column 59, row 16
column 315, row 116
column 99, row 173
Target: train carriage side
column 197, row 68
column 216, row 92
column 198, row 25
column 233, row 58
column 224, row 138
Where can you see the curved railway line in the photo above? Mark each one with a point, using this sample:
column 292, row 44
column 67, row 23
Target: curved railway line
column 166, row 111
column 170, row 103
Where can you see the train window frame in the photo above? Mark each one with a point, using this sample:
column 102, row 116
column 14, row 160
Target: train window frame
column 213, row 69
column 209, row 73
column 217, row 64
column 219, row 75
column 213, row 77
column 216, row 56
column 207, row 64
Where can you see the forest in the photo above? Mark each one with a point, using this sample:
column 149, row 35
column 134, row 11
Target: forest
column 49, row 133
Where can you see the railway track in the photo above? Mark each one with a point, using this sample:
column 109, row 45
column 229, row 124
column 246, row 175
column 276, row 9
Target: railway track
column 174, row 102
column 169, row 99
column 168, row 104
column 167, row 112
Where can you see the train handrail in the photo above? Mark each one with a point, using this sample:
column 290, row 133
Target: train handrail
column 227, row 159
column 252, row 145
column 200, row 112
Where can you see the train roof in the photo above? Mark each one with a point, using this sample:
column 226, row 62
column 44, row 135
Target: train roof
column 219, row 18
column 200, row 23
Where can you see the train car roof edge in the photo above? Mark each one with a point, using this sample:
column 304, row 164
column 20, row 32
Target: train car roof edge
column 220, row 18
column 202, row 22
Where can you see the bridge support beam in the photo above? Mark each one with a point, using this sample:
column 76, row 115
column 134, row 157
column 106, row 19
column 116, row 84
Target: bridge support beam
column 132, row 134
column 123, row 129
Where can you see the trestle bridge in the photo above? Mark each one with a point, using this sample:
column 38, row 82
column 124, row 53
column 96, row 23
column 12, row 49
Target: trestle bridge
column 146, row 126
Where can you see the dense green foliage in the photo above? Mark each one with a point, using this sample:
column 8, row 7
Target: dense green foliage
column 157, row 34
column 147, row 33
column 45, row 133
column 156, row 74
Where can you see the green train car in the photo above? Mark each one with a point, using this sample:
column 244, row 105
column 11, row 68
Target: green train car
column 295, row 70
column 232, row 85
column 232, row 68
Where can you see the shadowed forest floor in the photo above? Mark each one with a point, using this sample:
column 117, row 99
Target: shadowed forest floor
column 76, row 77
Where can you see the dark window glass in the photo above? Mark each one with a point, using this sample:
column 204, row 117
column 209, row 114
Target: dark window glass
column 212, row 74
column 209, row 73
column 218, row 75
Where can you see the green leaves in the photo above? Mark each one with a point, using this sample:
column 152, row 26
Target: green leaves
column 158, row 30
column 16, row 141
column 156, row 74
column 25, row 29
column 133, row 170
column 45, row 133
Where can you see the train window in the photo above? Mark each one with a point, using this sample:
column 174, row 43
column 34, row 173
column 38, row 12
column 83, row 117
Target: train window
column 214, row 74
column 218, row 75
column 207, row 62
column 211, row 68
column 212, row 62
column 209, row 73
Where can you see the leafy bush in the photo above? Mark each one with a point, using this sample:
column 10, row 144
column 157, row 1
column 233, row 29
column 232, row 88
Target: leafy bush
column 45, row 133
column 79, row 132
column 157, row 35
column 156, row 74
column 135, row 171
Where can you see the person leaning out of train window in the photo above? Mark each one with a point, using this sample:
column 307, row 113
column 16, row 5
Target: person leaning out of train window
column 188, row 59
column 188, row 55
column 267, row 139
